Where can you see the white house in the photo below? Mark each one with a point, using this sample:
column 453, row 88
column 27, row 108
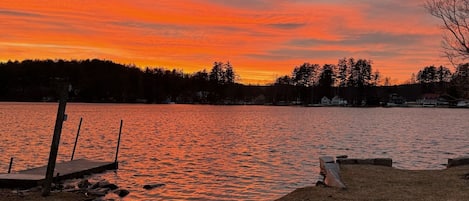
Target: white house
column 338, row 101
column 325, row 101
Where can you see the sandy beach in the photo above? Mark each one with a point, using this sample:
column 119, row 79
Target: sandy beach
column 368, row 182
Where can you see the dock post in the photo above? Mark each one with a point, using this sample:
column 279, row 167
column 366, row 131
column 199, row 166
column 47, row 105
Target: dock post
column 118, row 143
column 76, row 139
column 54, row 148
column 11, row 163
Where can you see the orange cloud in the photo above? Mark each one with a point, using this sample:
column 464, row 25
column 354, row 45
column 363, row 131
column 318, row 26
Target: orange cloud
column 263, row 39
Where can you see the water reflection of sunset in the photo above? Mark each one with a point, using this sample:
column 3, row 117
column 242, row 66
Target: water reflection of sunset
column 228, row 152
column 262, row 39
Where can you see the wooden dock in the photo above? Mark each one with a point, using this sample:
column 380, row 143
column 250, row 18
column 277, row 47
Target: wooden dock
column 65, row 170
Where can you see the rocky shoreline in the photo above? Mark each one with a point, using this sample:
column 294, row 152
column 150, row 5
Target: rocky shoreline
column 79, row 190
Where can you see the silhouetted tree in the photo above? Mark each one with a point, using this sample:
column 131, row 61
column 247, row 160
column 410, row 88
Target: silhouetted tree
column 229, row 74
column 443, row 74
column 432, row 74
column 387, row 81
column 460, row 81
column 343, row 70
column 454, row 15
column 326, row 80
column 360, row 75
column 284, row 80
column 327, row 76
column 222, row 73
column 427, row 75
column 305, row 75
column 217, row 73
column 283, row 90
column 376, row 78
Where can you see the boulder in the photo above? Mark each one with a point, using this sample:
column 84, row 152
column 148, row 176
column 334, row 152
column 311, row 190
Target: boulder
column 152, row 186
column 98, row 192
column 320, row 183
column 341, row 156
column 453, row 162
column 83, row 184
column 122, row 192
column 69, row 186
column 110, row 186
column 104, row 184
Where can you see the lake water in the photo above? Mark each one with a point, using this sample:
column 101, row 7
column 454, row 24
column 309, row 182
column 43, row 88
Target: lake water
column 229, row 152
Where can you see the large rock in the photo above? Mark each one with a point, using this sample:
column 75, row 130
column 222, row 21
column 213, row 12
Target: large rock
column 452, row 162
column 122, row 192
column 152, row 186
column 104, row 184
column 84, row 184
column 111, row 186
column 98, row 192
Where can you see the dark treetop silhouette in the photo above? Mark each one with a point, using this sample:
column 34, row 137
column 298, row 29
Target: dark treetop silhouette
column 105, row 81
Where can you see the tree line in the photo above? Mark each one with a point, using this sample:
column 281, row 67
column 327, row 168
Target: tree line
column 441, row 80
column 350, row 77
column 105, row 81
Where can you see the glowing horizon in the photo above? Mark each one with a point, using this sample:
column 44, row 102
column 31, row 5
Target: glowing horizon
column 262, row 39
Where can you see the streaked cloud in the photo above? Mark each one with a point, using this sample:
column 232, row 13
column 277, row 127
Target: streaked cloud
column 18, row 13
column 366, row 39
column 286, row 25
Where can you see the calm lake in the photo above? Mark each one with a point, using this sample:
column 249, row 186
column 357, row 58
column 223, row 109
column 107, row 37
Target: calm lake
column 229, row 152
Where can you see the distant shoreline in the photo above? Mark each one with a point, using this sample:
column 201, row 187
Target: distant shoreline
column 251, row 104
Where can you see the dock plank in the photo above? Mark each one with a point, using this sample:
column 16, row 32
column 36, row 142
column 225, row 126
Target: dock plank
column 67, row 170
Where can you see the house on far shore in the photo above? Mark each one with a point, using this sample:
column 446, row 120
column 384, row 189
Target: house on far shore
column 325, row 101
column 429, row 100
column 395, row 100
column 337, row 101
column 462, row 103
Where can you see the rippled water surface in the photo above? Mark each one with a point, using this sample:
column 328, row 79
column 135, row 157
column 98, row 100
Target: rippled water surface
column 229, row 152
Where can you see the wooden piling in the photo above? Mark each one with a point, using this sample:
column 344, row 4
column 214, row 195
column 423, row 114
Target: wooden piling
column 76, row 139
column 118, row 142
column 55, row 141
column 11, row 163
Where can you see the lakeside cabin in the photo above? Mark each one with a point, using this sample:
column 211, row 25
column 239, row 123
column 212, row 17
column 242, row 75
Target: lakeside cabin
column 336, row 101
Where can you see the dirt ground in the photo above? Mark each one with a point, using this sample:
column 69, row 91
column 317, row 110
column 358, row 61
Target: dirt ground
column 364, row 182
column 368, row 182
column 12, row 195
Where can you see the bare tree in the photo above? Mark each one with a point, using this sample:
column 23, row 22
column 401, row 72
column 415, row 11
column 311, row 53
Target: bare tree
column 455, row 17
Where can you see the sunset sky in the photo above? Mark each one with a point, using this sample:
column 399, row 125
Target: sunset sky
column 263, row 39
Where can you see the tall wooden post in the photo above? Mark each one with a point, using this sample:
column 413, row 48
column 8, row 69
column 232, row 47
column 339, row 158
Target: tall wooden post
column 76, row 139
column 118, row 143
column 54, row 148
column 11, row 163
